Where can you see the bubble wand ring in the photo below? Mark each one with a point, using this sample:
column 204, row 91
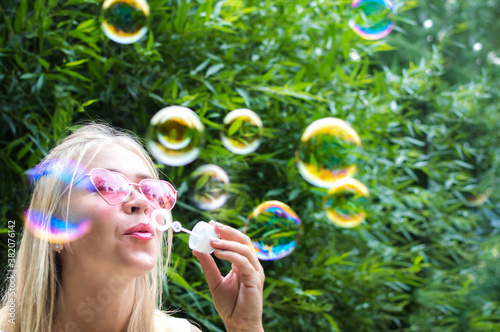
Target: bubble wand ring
column 166, row 216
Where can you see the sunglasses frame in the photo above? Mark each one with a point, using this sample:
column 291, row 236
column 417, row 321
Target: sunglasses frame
column 89, row 174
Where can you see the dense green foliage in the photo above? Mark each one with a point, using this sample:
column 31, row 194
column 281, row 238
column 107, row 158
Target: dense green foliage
column 425, row 104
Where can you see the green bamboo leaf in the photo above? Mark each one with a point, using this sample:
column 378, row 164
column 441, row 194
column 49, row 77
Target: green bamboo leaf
column 21, row 14
column 75, row 75
column 214, row 69
column 76, row 63
column 201, row 182
column 200, row 67
column 235, row 126
column 24, row 150
column 333, row 324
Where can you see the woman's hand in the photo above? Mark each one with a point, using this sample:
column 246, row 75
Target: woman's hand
column 237, row 296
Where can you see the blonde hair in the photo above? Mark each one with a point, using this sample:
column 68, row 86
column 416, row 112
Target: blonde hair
column 37, row 268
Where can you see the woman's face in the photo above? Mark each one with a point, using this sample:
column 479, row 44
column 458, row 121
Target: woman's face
column 112, row 241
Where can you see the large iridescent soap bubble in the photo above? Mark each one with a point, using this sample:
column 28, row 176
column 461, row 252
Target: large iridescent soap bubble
column 242, row 131
column 125, row 21
column 64, row 177
column 372, row 19
column 210, row 187
column 273, row 227
column 53, row 229
column 175, row 136
column 328, row 151
column 346, row 203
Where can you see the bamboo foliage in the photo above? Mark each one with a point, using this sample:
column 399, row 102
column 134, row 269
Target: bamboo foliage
column 425, row 259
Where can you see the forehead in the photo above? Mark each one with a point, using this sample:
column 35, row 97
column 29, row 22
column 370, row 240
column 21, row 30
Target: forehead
column 117, row 158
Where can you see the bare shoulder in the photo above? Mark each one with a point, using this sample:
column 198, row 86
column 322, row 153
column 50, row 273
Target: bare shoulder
column 194, row 328
column 168, row 323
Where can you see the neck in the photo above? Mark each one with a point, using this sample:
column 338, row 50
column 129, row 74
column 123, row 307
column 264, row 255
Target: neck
column 93, row 301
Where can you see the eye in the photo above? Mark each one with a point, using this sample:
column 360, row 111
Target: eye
column 102, row 185
column 148, row 191
column 154, row 192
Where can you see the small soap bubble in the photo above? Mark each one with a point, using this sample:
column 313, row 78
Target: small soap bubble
column 475, row 199
column 175, row 136
column 242, row 131
column 210, row 187
column 372, row 19
column 354, row 55
column 477, row 47
column 328, row 151
column 346, row 202
column 125, row 21
column 55, row 230
column 428, row 24
column 273, row 227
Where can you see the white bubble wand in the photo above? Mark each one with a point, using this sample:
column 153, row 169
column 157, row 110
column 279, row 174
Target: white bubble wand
column 199, row 237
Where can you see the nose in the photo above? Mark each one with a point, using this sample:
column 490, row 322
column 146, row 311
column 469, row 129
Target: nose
column 136, row 201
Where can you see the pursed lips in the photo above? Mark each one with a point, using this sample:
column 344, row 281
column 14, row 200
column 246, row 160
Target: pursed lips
column 142, row 231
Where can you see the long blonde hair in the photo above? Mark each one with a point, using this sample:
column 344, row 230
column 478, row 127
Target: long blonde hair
column 37, row 268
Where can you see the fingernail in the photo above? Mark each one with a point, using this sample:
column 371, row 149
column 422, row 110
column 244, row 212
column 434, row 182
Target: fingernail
column 215, row 240
column 219, row 225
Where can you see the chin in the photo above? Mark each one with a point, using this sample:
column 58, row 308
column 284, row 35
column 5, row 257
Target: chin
column 145, row 263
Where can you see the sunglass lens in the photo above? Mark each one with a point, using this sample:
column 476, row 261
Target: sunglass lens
column 111, row 186
column 159, row 193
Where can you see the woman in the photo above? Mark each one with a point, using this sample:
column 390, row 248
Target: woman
column 110, row 278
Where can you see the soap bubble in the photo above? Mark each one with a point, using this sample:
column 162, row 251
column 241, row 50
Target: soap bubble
column 242, row 131
column 53, row 229
column 64, row 170
column 428, row 24
column 273, row 227
column 475, row 199
column 211, row 185
column 327, row 152
column 125, row 21
column 62, row 177
column 175, row 136
column 346, row 203
column 372, row 18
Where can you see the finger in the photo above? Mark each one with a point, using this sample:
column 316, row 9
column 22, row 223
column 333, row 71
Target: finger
column 230, row 233
column 240, row 255
column 247, row 250
column 210, row 269
column 246, row 272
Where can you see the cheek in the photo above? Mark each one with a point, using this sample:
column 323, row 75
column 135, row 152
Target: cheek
column 101, row 217
column 91, row 208
column 80, row 202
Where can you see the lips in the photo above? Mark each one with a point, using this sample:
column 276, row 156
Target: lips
column 141, row 231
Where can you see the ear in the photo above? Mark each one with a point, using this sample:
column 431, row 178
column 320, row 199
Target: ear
column 58, row 247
